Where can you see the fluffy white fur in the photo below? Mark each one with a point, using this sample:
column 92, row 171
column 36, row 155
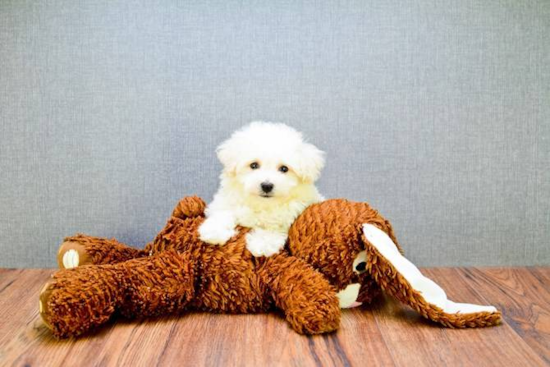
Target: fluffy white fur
column 240, row 199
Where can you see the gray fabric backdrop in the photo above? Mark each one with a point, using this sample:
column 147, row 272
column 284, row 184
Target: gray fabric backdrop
column 436, row 112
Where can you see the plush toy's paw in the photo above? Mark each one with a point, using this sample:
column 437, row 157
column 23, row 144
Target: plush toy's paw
column 72, row 254
column 265, row 243
column 43, row 308
column 74, row 301
column 214, row 234
column 321, row 316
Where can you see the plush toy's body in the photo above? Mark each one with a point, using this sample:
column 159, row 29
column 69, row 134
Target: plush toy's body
column 176, row 272
column 350, row 245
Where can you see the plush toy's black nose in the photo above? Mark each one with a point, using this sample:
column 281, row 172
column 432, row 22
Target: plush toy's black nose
column 267, row 187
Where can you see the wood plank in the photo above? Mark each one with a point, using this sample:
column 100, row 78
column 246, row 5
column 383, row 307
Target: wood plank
column 545, row 273
column 523, row 294
column 384, row 334
column 22, row 335
column 4, row 271
column 18, row 299
column 106, row 345
column 418, row 342
column 268, row 340
column 361, row 338
column 7, row 278
column 197, row 338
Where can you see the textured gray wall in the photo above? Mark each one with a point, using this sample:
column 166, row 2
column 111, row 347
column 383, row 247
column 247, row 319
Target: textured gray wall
column 436, row 112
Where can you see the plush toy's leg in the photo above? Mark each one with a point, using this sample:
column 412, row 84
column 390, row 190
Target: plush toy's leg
column 305, row 296
column 401, row 279
column 76, row 300
column 85, row 250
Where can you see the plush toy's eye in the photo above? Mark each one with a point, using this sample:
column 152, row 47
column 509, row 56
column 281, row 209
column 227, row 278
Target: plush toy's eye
column 283, row 169
column 360, row 262
column 254, row 165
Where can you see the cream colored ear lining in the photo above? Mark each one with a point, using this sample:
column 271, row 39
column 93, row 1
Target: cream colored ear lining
column 428, row 289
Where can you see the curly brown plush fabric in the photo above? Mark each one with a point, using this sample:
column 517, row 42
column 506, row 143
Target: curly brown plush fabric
column 329, row 236
column 397, row 286
column 177, row 271
column 97, row 251
column 76, row 300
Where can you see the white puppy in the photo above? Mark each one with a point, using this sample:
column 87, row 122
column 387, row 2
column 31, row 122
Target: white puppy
column 267, row 181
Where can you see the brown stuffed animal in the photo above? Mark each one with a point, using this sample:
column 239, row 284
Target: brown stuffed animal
column 349, row 243
column 355, row 248
column 176, row 272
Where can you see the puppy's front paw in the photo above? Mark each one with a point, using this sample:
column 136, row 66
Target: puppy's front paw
column 215, row 235
column 265, row 243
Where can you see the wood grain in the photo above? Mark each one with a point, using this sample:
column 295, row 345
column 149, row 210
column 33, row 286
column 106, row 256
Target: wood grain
column 524, row 297
column 384, row 334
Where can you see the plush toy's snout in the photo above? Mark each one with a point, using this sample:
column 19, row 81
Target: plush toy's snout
column 361, row 291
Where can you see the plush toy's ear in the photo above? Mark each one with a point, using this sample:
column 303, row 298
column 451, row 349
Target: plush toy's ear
column 309, row 162
column 401, row 279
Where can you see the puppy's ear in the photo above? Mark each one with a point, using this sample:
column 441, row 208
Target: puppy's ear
column 228, row 154
column 309, row 163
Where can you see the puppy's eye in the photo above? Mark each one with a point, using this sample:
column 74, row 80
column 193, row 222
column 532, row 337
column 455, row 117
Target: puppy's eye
column 283, row 169
column 254, row 165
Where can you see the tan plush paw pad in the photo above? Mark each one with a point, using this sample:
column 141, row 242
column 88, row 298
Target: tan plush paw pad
column 72, row 254
column 43, row 309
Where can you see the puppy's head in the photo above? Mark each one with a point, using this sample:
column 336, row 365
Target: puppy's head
column 270, row 160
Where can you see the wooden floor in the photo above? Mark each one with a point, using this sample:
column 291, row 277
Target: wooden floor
column 384, row 334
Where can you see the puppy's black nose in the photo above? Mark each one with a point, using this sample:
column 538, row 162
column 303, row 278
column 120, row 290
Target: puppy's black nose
column 267, row 187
